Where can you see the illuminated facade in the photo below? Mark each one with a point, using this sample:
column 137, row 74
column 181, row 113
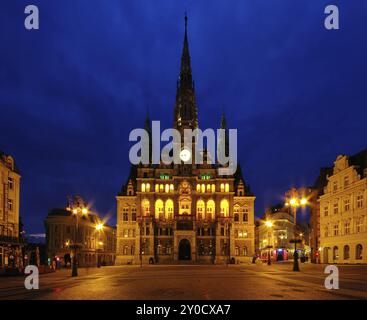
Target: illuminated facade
column 10, row 246
column 343, row 211
column 62, row 230
column 168, row 213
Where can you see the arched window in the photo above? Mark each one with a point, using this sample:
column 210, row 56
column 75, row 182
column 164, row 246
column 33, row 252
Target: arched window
column 161, row 188
column 359, row 251
column 171, row 187
column 200, row 209
column 245, row 214
column 213, row 188
column 227, row 187
column 335, row 253
column 346, row 252
column 245, row 251
column 210, row 209
column 148, row 187
column 222, row 187
column 133, row 214
column 143, row 187
column 203, row 188
column 145, row 207
column 159, row 209
column 169, row 209
column 236, row 211
column 237, row 251
column 208, row 188
column 198, row 187
column 167, row 188
column 224, row 208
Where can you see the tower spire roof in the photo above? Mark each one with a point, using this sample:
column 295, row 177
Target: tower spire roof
column 185, row 108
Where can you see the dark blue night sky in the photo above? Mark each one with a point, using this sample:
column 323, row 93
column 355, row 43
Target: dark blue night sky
column 71, row 92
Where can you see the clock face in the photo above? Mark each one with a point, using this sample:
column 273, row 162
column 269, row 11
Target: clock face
column 185, row 155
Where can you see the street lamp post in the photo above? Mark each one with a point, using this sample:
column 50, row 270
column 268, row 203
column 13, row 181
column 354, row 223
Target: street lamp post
column 294, row 203
column 77, row 208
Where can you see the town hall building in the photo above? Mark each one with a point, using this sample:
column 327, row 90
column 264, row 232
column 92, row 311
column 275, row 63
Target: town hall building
column 185, row 212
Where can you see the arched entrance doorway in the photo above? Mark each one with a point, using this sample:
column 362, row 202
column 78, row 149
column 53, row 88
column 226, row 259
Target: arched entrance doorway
column 184, row 250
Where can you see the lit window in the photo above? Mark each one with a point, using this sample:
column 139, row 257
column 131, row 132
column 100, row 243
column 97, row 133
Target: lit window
column 161, row 188
column 171, row 187
column 326, row 211
column 148, row 187
column 169, row 209
column 200, row 208
column 143, row 187
column 222, row 187
column 159, row 209
column 336, row 207
column 125, row 214
column 157, row 188
column 227, row 187
column 133, row 214
column 213, row 188
column 224, row 208
column 167, row 188
column 145, row 205
column 347, row 227
column 198, row 187
column 210, row 209
column 360, row 201
column 336, row 229
column 346, row 204
column 203, row 188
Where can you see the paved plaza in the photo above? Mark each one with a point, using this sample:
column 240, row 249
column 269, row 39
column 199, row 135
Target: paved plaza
column 201, row 282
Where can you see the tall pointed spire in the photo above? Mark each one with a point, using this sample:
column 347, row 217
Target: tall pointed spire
column 185, row 109
column 185, row 72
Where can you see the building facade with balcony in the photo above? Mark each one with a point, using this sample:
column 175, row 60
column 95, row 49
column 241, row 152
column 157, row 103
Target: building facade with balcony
column 170, row 213
column 63, row 231
column 343, row 211
column 10, row 242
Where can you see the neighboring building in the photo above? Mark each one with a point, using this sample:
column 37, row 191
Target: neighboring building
column 61, row 226
column 167, row 213
column 343, row 207
column 276, row 237
column 10, row 242
column 315, row 192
